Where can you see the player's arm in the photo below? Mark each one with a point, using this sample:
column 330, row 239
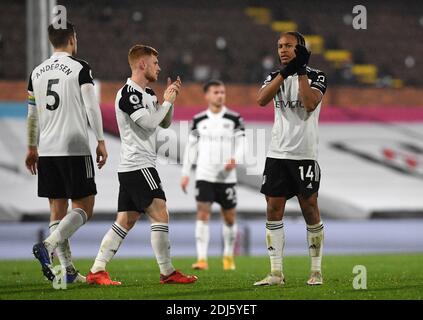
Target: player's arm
column 310, row 97
column 32, row 131
column 147, row 120
column 268, row 91
column 240, row 142
column 94, row 118
column 310, row 94
column 32, row 122
column 190, row 157
column 272, row 84
column 152, row 120
column 93, row 110
column 131, row 104
column 167, row 121
column 240, row 145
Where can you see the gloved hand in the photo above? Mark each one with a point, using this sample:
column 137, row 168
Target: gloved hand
column 302, row 57
column 289, row 69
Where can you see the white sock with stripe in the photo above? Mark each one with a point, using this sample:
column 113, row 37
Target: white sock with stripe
column 63, row 251
column 66, row 228
column 161, row 247
column 315, row 238
column 229, row 235
column 109, row 246
column 275, row 240
column 202, row 238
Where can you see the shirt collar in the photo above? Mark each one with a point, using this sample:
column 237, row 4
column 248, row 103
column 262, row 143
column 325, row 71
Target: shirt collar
column 60, row 53
column 134, row 84
column 216, row 115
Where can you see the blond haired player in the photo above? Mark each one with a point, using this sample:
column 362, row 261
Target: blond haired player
column 139, row 115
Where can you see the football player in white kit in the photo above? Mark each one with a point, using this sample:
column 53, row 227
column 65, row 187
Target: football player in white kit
column 61, row 98
column 291, row 165
column 139, row 115
column 217, row 144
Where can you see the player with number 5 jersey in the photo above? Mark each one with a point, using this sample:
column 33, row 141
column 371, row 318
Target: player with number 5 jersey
column 291, row 167
column 61, row 99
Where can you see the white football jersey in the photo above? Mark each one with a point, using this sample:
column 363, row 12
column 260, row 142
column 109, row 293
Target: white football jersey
column 138, row 145
column 217, row 137
column 63, row 123
column 295, row 131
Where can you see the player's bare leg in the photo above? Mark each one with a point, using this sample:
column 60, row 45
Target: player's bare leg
column 110, row 244
column 202, row 235
column 229, row 232
column 315, row 236
column 58, row 210
column 82, row 210
column 159, row 218
column 275, row 240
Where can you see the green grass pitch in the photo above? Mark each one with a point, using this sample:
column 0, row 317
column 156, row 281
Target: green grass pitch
column 388, row 277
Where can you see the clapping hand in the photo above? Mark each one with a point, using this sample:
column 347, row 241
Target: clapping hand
column 172, row 90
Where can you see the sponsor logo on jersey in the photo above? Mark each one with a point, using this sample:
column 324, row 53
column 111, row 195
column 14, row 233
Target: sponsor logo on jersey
column 289, row 104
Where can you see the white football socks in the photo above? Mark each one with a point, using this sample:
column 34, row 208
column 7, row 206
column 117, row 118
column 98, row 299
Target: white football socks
column 275, row 240
column 315, row 239
column 229, row 236
column 63, row 251
column 161, row 247
column 202, row 238
column 109, row 246
column 66, row 228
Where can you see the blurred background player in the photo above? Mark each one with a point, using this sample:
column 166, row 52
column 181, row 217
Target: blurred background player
column 139, row 115
column 291, row 167
column 61, row 99
column 217, row 142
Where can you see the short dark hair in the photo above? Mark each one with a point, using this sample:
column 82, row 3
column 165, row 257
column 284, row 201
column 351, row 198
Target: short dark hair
column 296, row 34
column 211, row 83
column 60, row 37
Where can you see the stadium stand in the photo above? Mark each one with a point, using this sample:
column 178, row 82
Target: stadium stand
column 235, row 40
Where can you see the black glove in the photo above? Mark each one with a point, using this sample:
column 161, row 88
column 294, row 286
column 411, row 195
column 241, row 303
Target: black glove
column 289, row 69
column 302, row 57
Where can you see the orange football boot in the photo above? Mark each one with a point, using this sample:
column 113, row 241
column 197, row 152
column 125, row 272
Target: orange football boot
column 228, row 263
column 102, row 278
column 200, row 265
column 177, row 277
